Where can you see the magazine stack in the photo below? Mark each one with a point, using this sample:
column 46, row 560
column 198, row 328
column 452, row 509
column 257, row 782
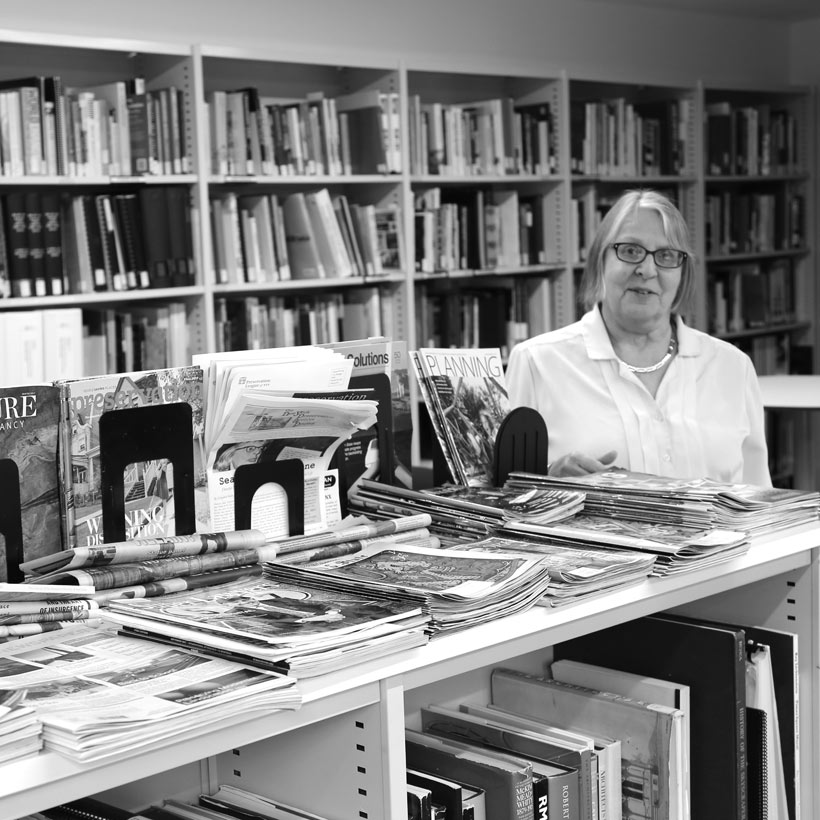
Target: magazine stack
column 282, row 625
column 458, row 588
column 103, row 696
column 700, row 502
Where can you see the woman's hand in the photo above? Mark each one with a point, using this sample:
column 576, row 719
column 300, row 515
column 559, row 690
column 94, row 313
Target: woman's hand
column 575, row 464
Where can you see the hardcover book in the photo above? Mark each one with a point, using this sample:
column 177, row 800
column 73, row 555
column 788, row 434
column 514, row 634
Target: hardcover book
column 150, row 507
column 507, row 781
column 29, row 480
column 646, row 734
column 717, row 695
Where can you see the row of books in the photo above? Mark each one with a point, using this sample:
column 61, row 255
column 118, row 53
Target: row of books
column 306, row 235
column 492, row 316
column 616, row 137
column 256, row 322
column 482, row 230
column 754, row 223
column 609, row 730
column 119, row 128
column 53, row 244
column 751, row 295
column 750, row 140
column 587, row 208
column 495, row 136
column 253, row 134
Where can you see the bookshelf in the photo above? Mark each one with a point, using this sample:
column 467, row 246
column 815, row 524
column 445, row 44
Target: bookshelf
column 90, row 167
column 758, row 206
column 571, row 144
column 349, row 730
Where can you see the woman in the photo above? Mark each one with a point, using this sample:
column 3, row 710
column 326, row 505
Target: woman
column 630, row 384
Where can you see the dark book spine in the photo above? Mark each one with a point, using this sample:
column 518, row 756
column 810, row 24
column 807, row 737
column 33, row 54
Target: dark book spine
column 18, row 245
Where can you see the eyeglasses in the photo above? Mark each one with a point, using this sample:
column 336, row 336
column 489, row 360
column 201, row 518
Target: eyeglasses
column 632, row 253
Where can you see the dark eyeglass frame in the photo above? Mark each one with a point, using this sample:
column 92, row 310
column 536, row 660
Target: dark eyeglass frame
column 682, row 255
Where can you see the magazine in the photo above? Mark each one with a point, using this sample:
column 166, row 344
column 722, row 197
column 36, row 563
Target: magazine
column 265, row 427
column 101, row 695
column 29, row 433
column 149, row 499
column 466, row 392
column 461, row 588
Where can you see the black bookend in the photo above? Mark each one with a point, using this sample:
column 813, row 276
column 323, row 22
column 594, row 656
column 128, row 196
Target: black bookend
column 288, row 474
column 139, row 434
column 382, row 393
column 11, row 519
column 521, row 444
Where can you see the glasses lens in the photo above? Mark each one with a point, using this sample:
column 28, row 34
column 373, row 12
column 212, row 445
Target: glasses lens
column 627, row 252
column 669, row 258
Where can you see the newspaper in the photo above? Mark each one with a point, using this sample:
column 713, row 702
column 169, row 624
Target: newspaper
column 100, row 694
column 122, row 575
column 264, row 427
column 144, row 549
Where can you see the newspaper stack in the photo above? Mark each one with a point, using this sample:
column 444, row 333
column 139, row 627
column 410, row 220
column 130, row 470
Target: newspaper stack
column 283, row 626
column 30, row 609
column 21, row 732
column 147, row 567
column 460, row 514
column 104, row 696
column 459, row 588
column 702, row 502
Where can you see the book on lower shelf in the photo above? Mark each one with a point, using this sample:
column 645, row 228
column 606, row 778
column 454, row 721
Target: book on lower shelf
column 562, row 786
column 717, row 695
column 506, row 780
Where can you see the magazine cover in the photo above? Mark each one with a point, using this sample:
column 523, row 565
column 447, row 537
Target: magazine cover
column 149, row 485
column 467, row 392
column 29, row 433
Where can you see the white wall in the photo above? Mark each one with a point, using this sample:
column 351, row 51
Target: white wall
column 586, row 37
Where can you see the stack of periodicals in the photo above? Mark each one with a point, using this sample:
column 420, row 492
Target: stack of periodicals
column 147, row 567
column 21, row 731
column 30, row 609
column 458, row 588
column 466, row 397
column 477, row 519
column 675, row 547
column 288, row 627
column 698, row 502
column 460, row 513
column 576, row 571
column 104, row 696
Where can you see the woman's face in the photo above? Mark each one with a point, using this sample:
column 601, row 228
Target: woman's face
column 639, row 296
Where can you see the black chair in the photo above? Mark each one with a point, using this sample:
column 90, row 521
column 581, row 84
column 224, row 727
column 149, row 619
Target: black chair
column 521, row 445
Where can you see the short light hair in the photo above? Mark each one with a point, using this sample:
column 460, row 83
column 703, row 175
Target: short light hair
column 677, row 235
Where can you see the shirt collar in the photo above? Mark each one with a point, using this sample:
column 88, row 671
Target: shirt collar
column 599, row 346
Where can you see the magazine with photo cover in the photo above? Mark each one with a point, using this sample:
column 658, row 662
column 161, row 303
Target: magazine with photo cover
column 29, row 435
column 466, row 391
column 148, row 485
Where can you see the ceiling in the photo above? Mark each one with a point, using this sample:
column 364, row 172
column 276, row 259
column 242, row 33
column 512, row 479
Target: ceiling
column 786, row 11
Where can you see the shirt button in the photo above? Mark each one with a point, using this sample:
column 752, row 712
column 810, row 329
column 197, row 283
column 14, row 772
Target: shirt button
column 659, row 417
column 667, row 457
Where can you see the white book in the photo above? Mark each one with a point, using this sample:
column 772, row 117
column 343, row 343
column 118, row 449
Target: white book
column 23, row 362
column 642, row 688
column 63, row 355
